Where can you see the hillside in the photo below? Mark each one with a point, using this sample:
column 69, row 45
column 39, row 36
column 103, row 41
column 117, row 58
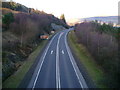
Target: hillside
column 107, row 19
column 21, row 30
column 15, row 6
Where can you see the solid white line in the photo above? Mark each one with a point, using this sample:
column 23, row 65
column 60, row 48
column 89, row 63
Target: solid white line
column 42, row 62
column 58, row 86
column 52, row 52
column 62, row 52
column 72, row 62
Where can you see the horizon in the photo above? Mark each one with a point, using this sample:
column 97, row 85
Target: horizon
column 63, row 7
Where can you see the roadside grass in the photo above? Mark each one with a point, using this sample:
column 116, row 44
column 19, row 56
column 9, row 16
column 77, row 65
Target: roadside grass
column 86, row 59
column 14, row 80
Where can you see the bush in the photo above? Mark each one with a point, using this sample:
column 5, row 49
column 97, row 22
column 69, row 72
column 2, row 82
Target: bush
column 7, row 19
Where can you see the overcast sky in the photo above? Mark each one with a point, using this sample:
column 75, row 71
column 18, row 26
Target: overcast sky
column 74, row 8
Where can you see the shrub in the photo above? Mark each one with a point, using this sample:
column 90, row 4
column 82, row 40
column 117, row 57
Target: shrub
column 7, row 19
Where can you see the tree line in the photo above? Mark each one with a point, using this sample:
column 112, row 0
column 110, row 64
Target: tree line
column 102, row 41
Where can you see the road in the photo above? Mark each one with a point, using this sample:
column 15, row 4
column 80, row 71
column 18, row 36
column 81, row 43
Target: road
column 57, row 67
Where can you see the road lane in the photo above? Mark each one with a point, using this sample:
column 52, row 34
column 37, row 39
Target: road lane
column 57, row 67
column 75, row 67
column 44, row 75
column 67, row 73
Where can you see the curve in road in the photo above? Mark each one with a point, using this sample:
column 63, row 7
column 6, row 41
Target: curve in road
column 57, row 67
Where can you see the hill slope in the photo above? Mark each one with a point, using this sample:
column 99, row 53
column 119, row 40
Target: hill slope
column 107, row 19
column 22, row 27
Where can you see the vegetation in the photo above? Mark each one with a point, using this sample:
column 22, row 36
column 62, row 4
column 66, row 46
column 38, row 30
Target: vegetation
column 62, row 17
column 18, row 76
column 102, row 43
column 87, row 60
column 7, row 19
column 23, row 34
column 15, row 6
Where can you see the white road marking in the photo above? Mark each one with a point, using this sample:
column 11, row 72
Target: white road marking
column 58, row 86
column 42, row 63
column 62, row 52
column 73, row 64
column 52, row 52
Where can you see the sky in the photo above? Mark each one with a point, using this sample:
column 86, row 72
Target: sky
column 74, row 8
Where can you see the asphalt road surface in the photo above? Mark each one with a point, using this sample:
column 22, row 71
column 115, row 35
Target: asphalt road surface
column 57, row 67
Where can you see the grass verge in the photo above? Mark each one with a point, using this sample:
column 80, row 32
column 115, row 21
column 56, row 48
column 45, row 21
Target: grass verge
column 14, row 80
column 85, row 58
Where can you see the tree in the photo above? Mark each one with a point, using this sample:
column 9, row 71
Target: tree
column 62, row 17
column 13, row 5
column 7, row 19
